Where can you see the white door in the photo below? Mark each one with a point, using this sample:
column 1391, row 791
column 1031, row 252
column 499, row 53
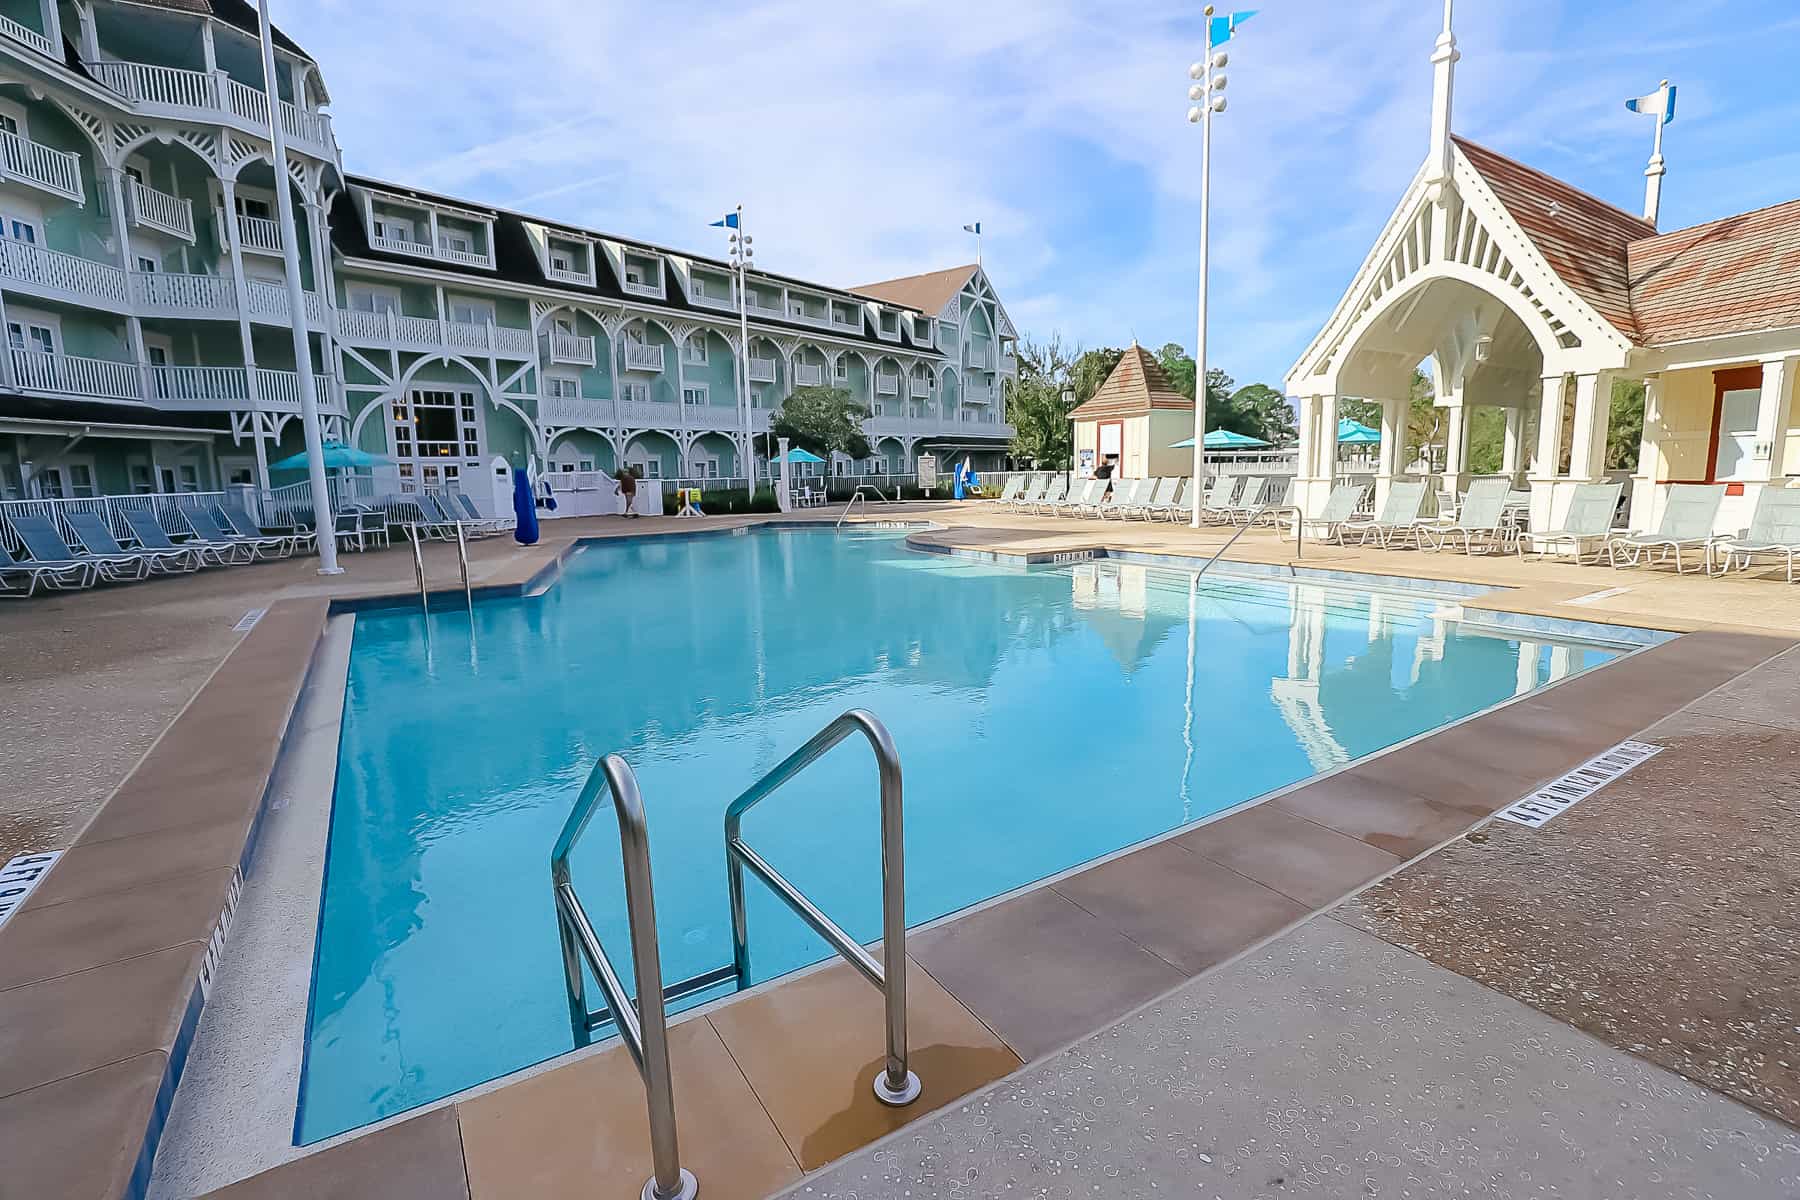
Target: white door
column 1737, row 432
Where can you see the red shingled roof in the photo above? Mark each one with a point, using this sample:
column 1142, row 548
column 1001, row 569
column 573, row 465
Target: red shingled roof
column 1735, row 275
column 1137, row 385
column 1582, row 237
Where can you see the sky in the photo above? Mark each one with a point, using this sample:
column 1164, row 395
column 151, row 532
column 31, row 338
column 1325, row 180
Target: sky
column 860, row 137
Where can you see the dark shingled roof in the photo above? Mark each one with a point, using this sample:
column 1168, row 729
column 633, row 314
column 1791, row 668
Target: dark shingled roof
column 236, row 13
column 1137, row 385
column 1736, row 275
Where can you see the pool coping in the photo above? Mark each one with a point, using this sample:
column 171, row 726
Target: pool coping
column 254, row 691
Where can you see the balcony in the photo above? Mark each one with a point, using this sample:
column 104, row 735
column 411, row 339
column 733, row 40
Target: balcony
column 27, row 36
column 981, row 356
column 70, row 375
column 53, row 275
column 441, row 252
column 851, row 319
column 887, row 385
column 197, row 95
column 640, row 357
column 977, row 416
column 153, row 209
column 576, row 349
column 558, row 275
column 762, row 370
column 220, row 389
column 759, row 306
column 978, row 393
column 257, row 235
column 392, row 330
column 920, row 389
column 568, row 410
column 53, row 171
column 650, row 413
column 808, row 375
column 214, row 297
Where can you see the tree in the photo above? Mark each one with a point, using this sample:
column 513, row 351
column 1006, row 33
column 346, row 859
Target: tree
column 1035, row 407
column 1625, row 428
column 1265, row 411
column 821, row 420
column 1254, row 410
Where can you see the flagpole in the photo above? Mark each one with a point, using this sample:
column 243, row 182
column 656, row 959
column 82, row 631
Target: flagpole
column 744, row 406
column 324, row 521
column 1206, row 114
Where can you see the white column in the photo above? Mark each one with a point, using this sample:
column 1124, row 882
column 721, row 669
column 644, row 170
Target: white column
column 1392, row 460
column 1456, row 446
column 1773, row 417
column 1587, row 441
column 228, row 196
column 1513, row 447
column 1650, row 456
column 1549, row 453
column 115, row 197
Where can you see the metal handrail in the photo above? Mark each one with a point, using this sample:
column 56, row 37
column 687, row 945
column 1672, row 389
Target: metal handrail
column 419, row 567
column 896, row 1085
column 462, row 557
column 854, row 497
column 1245, row 528
column 643, row 1026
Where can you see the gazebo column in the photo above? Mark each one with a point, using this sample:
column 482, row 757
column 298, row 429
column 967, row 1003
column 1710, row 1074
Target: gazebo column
column 1512, row 448
column 1593, row 412
column 1545, row 466
column 1456, row 446
column 1392, row 460
column 1316, row 467
column 1773, row 418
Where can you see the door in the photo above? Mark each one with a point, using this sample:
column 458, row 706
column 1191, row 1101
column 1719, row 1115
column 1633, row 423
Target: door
column 1112, row 444
column 1737, row 399
column 436, row 437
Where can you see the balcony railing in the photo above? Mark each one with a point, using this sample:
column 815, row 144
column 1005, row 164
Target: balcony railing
column 641, row 357
column 568, row 410
column 558, row 275
column 25, row 35
column 560, row 346
column 762, row 370
column 269, row 302
column 440, row 252
column 61, row 276
column 257, row 234
column 649, row 412
column 402, row 332
column 919, row 389
column 41, row 166
column 808, row 375
column 213, row 389
column 758, row 306
column 977, row 416
column 98, row 378
column 158, row 210
column 176, row 92
column 847, row 320
column 887, row 385
column 981, row 355
column 173, row 294
column 488, row 338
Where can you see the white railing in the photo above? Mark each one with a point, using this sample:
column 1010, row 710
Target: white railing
column 400, row 245
column 564, row 347
column 637, row 287
column 762, row 370
column 561, row 276
column 489, row 337
column 54, row 271
column 173, row 87
column 887, row 385
column 641, row 357
column 251, row 104
column 468, row 258
column 280, row 390
column 76, row 376
column 649, row 412
column 254, row 233
column 981, row 354
column 568, row 410
column 919, row 389
column 977, row 393
column 269, row 302
column 159, row 210
column 977, row 416
column 184, row 295
column 53, row 170
column 365, row 328
column 808, row 375
column 392, row 329
column 166, row 505
column 754, row 303
column 176, row 386
column 26, row 35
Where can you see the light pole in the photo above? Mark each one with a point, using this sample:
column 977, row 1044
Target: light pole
column 1208, row 94
column 324, row 521
column 741, row 255
column 1068, row 400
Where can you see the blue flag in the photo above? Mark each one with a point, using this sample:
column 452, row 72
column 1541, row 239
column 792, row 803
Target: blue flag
column 1661, row 101
column 975, row 228
column 729, row 221
column 1220, row 29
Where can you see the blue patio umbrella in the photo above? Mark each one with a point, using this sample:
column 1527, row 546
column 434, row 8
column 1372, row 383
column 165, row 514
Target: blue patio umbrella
column 1223, row 439
column 1355, row 433
column 797, row 455
column 337, row 456
column 525, row 509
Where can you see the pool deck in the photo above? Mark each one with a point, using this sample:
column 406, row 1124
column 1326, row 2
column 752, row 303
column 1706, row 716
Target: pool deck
column 99, row 974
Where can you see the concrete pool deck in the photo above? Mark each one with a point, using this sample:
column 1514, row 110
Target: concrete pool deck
column 1684, row 673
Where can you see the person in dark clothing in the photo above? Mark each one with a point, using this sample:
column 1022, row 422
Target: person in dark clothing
column 1105, row 471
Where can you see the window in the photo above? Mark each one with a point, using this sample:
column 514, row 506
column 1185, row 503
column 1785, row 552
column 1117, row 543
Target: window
column 648, row 468
column 396, row 229
column 565, row 387
column 695, row 352
column 467, row 311
column 25, row 334
column 797, row 308
column 450, row 239
column 19, row 229
column 560, row 261
column 634, row 393
column 147, row 264
column 699, row 287
column 840, row 370
column 156, row 349
column 9, row 124
column 634, row 276
column 254, row 206
column 364, row 298
column 694, row 394
column 138, row 476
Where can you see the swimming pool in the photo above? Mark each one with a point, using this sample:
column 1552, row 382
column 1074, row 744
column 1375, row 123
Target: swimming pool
column 1045, row 716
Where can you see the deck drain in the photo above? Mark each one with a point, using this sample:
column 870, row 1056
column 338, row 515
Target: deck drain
column 248, row 621
column 1597, row 597
column 1578, row 784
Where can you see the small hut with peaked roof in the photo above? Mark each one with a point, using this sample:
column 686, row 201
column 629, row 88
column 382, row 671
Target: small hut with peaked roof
column 1138, row 416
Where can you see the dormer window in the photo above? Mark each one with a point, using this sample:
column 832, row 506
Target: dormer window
column 561, row 261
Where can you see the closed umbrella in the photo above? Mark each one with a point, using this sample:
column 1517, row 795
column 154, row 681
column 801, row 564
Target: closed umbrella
column 525, row 532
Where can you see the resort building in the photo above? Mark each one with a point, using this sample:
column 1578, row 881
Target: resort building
column 150, row 344
column 1136, row 418
column 1519, row 291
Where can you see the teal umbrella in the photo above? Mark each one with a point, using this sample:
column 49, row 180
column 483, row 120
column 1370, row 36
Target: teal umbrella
column 1355, row 433
column 1223, row 439
column 797, row 455
column 337, row 456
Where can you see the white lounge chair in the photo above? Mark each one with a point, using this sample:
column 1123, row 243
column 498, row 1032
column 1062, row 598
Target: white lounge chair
column 1589, row 522
column 1126, row 495
column 206, row 527
column 1160, row 497
column 1080, row 499
column 1336, row 517
column 1274, row 509
column 1055, row 494
column 19, row 579
column 1216, row 505
column 1176, row 509
column 1098, row 497
column 1774, row 531
column 1397, row 523
column 1687, row 524
column 1249, row 500
column 1030, row 494
column 1480, row 521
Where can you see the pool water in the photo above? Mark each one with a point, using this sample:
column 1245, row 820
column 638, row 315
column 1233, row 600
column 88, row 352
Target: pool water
column 1044, row 716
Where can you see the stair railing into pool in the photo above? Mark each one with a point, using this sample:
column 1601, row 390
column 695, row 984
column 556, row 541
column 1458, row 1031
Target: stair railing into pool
column 462, row 561
column 1256, row 516
column 895, row 1085
column 643, row 1026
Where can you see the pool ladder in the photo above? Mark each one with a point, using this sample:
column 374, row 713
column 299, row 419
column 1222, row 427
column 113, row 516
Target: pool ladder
column 462, row 560
column 643, row 1024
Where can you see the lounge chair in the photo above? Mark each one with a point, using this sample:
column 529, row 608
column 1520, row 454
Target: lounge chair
column 149, row 534
column 47, row 545
column 1054, row 494
column 1030, row 494
column 1589, row 522
column 1244, row 509
column 1774, row 530
column 1687, row 524
column 1126, row 495
column 467, row 507
column 206, row 527
column 1216, row 506
column 74, row 573
column 1337, row 517
column 1176, row 507
column 238, row 521
column 1480, row 520
column 1277, row 507
column 1097, row 496
column 1397, row 523
column 474, row 525
column 91, row 531
column 1011, row 491
column 1079, row 498
column 1160, row 497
